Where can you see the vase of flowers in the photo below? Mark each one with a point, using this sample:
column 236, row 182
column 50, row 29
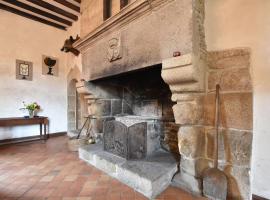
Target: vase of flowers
column 31, row 108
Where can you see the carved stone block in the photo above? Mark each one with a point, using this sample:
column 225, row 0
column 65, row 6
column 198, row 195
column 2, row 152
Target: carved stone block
column 189, row 112
column 230, row 80
column 191, row 141
column 238, row 57
column 195, row 167
column 236, row 110
column 234, row 146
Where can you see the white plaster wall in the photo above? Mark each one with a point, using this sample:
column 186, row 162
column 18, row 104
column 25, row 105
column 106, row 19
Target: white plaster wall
column 73, row 61
column 28, row 40
column 246, row 23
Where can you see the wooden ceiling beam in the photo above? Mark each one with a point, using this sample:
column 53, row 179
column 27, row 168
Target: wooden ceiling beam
column 38, row 11
column 69, row 5
column 78, row 1
column 53, row 8
column 29, row 16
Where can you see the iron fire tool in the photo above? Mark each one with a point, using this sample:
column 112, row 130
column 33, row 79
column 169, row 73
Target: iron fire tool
column 89, row 127
column 215, row 181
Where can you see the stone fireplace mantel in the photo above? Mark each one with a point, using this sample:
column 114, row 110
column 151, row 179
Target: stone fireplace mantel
column 143, row 34
column 130, row 13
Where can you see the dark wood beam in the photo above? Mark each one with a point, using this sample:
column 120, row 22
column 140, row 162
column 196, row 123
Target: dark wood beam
column 69, row 5
column 38, row 11
column 29, row 16
column 78, row 1
column 54, row 9
column 107, row 9
column 123, row 3
column 255, row 197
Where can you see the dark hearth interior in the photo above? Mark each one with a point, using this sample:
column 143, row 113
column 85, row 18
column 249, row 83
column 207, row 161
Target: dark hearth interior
column 135, row 113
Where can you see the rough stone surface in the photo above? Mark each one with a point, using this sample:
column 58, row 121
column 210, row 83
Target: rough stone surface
column 103, row 107
column 234, row 146
column 230, row 58
column 236, row 110
column 116, row 106
column 191, row 141
column 149, row 176
column 238, row 181
column 169, row 138
column 195, row 167
column 236, row 79
column 189, row 112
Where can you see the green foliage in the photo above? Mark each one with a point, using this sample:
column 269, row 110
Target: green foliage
column 31, row 107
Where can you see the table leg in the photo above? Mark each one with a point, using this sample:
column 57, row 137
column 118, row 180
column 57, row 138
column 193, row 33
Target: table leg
column 45, row 132
column 40, row 130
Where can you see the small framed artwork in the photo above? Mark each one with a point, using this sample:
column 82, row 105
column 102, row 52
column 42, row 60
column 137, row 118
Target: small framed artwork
column 24, row 70
column 50, row 65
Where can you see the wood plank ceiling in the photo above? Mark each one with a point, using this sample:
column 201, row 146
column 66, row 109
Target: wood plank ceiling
column 57, row 13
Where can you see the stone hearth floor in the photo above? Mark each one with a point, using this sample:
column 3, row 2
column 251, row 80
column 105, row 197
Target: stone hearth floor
column 49, row 171
column 149, row 176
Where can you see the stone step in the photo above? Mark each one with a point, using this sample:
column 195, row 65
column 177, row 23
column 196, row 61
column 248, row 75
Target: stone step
column 149, row 176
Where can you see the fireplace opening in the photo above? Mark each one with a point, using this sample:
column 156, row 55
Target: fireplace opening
column 135, row 116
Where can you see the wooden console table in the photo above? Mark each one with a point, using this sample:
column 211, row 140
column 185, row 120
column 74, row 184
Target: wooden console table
column 18, row 121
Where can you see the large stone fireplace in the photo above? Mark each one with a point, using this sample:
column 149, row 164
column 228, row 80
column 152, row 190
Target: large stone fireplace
column 152, row 107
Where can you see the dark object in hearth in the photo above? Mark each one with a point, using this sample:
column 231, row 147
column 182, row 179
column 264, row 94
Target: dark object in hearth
column 68, row 45
column 127, row 142
column 50, row 63
column 176, row 53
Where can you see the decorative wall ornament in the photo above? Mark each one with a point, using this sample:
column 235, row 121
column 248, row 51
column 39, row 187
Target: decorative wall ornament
column 49, row 66
column 24, row 70
column 68, row 46
column 114, row 49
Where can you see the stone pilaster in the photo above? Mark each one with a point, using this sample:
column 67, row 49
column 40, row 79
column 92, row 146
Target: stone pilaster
column 186, row 77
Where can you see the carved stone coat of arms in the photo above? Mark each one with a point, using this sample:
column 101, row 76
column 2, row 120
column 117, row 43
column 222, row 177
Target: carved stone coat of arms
column 114, row 49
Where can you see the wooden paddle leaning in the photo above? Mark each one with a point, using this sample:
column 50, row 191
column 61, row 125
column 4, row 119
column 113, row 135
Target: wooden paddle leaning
column 215, row 181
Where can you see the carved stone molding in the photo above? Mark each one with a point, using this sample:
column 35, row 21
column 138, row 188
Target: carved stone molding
column 128, row 14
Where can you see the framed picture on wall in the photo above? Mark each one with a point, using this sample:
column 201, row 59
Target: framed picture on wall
column 24, row 70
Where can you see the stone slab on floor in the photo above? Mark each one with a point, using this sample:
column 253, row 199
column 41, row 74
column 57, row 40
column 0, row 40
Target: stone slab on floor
column 149, row 176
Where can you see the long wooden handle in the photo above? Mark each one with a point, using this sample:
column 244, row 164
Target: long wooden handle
column 217, row 124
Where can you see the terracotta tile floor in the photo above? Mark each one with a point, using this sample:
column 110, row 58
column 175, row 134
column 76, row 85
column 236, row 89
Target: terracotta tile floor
column 49, row 171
